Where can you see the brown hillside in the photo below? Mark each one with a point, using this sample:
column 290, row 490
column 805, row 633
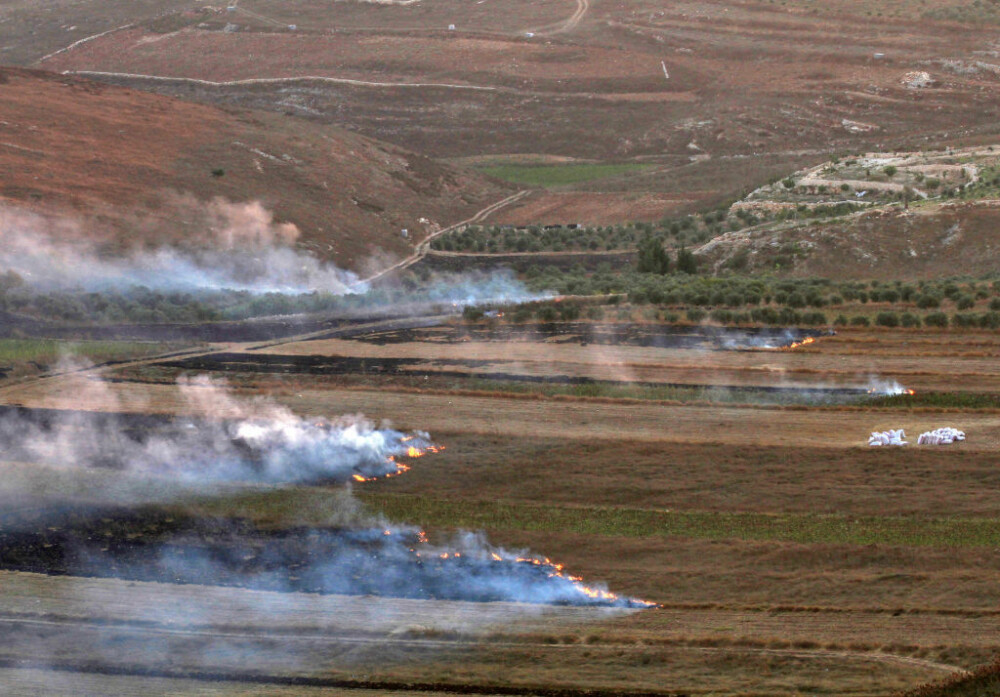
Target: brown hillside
column 131, row 162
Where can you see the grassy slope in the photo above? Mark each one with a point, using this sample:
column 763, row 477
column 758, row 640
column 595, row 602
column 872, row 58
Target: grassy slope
column 122, row 157
column 984, row 682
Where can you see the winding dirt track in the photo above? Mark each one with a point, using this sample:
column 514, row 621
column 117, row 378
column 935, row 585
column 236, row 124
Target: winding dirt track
column 425, row 245
column 582, row 6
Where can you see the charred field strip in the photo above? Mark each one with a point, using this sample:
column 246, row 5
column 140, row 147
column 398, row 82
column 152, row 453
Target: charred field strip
column 807, row 562
column 225, row 362
column 153, row 546
column 359, row 556
column 627, row 334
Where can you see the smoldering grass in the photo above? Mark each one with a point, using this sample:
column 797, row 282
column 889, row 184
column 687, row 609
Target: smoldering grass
column 630, row 522
column 940, row 400
column 720, row 394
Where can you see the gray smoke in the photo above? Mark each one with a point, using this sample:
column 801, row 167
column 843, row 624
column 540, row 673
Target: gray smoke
column 236, row 246
column 259, row 442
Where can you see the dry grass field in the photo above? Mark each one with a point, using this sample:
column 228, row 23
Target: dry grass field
column 694, row 88
column 125, row 168
column 787, row 557
column 921, row 360
column 729, row 486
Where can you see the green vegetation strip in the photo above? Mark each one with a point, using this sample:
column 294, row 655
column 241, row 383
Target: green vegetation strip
column 47, row 351
column 630, row 522
column 556, row 175
column 671, row 393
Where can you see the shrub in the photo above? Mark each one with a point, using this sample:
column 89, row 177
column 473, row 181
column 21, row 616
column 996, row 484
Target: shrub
column 840, row 321
column 789, row 316
column 472, row 314
column 965, row 302
column 795, row 299
column 764, row 315
column 936, row 319
column 989, row 320
column 995, row 304
column 887, row 319
column 964, row 319
column 695, row 314
column 569, row 313
column 523, row 314
column 547, row 314
column 814, row 318
column 908, row 319
column 859, row 321
column 722, row 316
column 686, row 262
column 927, row 301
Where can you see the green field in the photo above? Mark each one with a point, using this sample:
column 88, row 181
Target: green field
column 46, row 352
column 631, row 522
column 559, row 175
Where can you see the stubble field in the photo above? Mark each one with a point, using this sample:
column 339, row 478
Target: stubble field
column 786, row 555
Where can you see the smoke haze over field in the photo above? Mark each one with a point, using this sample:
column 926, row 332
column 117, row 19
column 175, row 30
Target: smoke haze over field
column 258, row 442
column 237, row 246
column 226, row 247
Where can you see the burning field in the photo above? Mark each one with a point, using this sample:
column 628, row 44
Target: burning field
column 746, row 545
column 267, row 444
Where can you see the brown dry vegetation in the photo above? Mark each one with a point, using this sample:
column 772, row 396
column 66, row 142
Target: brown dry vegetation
column 136, row 167
column 788, row 556
column 922, row 360
column 786, row 84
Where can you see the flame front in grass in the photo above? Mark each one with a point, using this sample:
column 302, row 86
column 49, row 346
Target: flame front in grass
column 555, row 570
column 875, row 390
column 394, row 467
column 887, row 388
column 805, row 342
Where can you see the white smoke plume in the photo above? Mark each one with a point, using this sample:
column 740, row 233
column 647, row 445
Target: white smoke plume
column 253, row 441
column 258, row 442
column 237, row 246
column 886, row 388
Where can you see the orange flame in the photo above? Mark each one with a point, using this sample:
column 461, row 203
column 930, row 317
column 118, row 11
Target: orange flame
column 805, row 342
column 875, row 390
column 400, row 468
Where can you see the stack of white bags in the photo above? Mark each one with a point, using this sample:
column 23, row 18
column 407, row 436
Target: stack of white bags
column 889, row 437
column 941, row 436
